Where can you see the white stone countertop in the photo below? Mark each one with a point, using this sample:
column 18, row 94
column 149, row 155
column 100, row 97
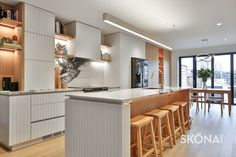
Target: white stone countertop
column 122, row 95
column 33, row 92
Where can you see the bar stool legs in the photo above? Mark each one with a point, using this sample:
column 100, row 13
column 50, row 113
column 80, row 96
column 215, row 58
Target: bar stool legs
column 138, row 123
column 174, row 110
column 159, row 116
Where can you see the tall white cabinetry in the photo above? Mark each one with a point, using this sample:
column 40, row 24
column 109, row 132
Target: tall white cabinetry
column 86, row 42
column 39, row 37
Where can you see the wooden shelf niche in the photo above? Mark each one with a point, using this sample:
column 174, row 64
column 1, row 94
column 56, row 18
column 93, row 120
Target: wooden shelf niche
column 11, row 55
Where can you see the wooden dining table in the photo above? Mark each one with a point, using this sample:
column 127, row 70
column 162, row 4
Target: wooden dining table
column 206, row 91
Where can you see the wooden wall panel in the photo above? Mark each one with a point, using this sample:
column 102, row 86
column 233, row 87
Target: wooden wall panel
column 145, row 104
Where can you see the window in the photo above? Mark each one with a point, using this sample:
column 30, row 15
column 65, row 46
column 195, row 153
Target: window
column 222, row 65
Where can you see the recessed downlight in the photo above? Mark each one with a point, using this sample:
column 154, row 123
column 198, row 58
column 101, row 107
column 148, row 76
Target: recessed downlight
column 219, row 24
column 226, row 39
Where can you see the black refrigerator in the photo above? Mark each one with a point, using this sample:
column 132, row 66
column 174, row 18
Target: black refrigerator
column 139, row 73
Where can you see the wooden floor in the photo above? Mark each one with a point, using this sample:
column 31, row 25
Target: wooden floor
column 212, row 123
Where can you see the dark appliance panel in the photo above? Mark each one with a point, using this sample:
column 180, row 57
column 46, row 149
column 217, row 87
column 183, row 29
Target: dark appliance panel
column 139, row 73
column 6, row 83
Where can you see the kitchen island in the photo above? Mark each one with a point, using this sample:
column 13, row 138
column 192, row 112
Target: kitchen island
column 98, row 124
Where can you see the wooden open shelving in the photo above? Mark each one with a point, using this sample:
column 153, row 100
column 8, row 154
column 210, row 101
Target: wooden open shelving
column 10, row 47
column 10, row 23
column 60, row 55
column 12, row 64
column 63, row 37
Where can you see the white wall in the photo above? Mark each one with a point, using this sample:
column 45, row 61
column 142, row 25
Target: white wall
column 176, row 54
column 118, row 72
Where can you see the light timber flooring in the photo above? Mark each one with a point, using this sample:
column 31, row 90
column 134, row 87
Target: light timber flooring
column 211, row 123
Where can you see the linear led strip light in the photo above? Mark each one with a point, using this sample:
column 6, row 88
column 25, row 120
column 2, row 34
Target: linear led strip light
column 108, row 18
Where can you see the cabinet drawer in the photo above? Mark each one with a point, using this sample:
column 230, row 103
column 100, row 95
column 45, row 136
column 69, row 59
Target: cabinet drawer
column 47, row 98
column 46, row 111
column 47, row 127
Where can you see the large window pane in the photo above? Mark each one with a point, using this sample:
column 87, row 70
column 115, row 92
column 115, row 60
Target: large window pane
column 201, row 63
column 222, row 72
column 187, row 72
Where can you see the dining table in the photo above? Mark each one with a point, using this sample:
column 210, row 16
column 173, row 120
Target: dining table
column 206, row 91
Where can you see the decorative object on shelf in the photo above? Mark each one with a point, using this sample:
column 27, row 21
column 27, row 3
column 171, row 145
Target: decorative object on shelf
column 14, row 39
column 9, row 14
column 105, row 55
column 60, row 28
column 58, row 77
column 204, row 74
column 61, row 49
column 6, row 40
column 9, row 44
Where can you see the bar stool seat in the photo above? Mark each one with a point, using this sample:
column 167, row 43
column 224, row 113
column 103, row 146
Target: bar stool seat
column 175, row 128
column 159, row 116
column 172, row 108
column 184, row 114
column 138, row 123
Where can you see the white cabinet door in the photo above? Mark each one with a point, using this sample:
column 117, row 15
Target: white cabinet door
column 48, row 98
column 44, row 128
column 39, row 75
column 39, row 21
column 19, row 119
column 39, row 48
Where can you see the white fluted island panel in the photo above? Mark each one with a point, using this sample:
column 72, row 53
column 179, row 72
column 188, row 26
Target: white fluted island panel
column 96, row 129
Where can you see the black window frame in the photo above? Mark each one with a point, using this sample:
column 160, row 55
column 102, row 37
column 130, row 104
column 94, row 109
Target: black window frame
column 213, row 69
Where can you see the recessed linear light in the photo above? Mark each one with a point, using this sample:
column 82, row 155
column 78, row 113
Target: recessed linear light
column 219, row 24
column 109, row 19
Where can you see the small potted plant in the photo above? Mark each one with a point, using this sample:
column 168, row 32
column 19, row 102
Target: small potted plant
column 204, row 74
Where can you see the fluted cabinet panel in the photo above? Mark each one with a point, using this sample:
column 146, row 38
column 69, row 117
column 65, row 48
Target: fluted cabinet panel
column 39, row 75
column 97, row 129
column 38, row 47
column 39, row 21
column 19, row 119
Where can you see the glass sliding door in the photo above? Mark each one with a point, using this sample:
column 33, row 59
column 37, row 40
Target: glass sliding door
column 186, row 70
column 222, row 75
column 222, row 72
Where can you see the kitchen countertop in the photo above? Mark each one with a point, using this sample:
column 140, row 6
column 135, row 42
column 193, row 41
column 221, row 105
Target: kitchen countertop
column 34, row 92
column 122, row 95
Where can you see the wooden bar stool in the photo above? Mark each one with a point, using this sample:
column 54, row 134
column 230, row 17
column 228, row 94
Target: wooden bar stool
column 139, row 122
column 184, row 114
column 159, row 116
column 175, row 128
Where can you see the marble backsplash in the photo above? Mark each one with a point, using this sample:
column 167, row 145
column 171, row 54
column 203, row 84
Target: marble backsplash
column 81, row 72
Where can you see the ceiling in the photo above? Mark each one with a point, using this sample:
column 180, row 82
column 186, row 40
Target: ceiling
column 193, row 19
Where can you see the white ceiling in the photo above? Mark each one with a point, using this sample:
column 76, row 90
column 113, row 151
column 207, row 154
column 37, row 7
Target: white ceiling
column 194, row 19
